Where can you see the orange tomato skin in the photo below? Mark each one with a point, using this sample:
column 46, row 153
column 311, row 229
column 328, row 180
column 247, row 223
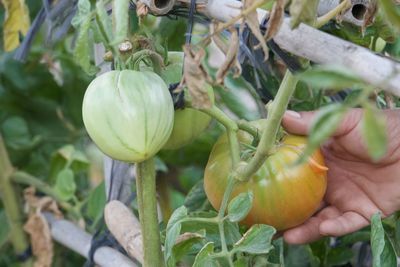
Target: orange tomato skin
column 284, row 195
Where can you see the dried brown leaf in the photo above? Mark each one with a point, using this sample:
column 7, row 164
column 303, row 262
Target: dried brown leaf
column 276, row 19
column 141, row 9
column 195, row 77
column 38, row 228
column 231, row 62
column 187, row 236
column 369, row 15
column 252, row 22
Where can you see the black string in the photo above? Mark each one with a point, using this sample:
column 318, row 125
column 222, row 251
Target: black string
column 25, row 255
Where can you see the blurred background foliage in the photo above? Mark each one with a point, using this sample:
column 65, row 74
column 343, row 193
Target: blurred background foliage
column 41, row 122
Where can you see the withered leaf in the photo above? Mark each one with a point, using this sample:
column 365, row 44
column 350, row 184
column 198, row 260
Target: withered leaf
column 231, row 62
column 141, row 9
column 38, row 228
column 303, row 11
column 275, row 19
column 252, row 22
column 187, row 236
column 369, row 15
column 195, row 78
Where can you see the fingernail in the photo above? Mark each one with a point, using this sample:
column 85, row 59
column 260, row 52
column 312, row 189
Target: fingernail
column 293, row 114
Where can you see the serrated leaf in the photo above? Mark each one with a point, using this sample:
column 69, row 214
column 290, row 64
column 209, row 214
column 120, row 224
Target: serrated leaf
column 303, row 11
column 257, row 240
column 65, row 184
column 16, row 22
column 391, row 11
column 323, row 126
column 83, row 47
column 374, row 132
column 121, row 19
column 330, row 77
column 173, row 230
column 81, row 14
column 203, row 257
column 382, row 249
column 240, row 206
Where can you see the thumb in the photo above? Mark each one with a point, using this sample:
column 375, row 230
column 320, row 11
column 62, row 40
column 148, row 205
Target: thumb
column 300, row 122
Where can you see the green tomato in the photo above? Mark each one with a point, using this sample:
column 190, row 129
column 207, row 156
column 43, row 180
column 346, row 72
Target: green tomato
column 188, row 123
column 128, row 114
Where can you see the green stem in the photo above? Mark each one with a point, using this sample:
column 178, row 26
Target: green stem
column 274, row 119
column 246, row 126
column 231, row 128
column 12, row 205
column 147, row 203
column 27, row 179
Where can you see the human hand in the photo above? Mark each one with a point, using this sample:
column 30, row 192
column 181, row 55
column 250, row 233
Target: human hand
column 357, row 187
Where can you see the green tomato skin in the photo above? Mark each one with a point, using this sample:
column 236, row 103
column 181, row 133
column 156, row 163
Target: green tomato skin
column 188, row 123
column 128, row 114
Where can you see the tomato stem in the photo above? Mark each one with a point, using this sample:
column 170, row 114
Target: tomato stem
column 147, row 204
column 268, row 137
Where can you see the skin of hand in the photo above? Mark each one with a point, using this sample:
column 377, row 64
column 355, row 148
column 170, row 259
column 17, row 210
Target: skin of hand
column 357, row 187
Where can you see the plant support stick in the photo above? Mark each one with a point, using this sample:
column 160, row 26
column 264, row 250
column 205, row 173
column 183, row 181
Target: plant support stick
column 147, row 203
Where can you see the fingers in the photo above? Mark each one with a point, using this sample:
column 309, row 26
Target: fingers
column 300, row 122
column 347, row 223
column 309, row 231
column 329, row 222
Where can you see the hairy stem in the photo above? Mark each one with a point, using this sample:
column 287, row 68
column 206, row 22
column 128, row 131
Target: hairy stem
column 274, row 119
column 147, row 203
column 12, row 205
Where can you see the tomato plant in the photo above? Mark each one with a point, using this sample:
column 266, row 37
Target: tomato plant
column 128, row 114
column 229, row 69
column 284, row 195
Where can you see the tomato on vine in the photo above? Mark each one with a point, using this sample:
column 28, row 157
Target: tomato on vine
column 284, row 195
column 128, row 114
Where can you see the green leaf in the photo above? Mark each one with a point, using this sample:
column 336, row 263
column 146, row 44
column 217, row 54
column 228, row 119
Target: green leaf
column 241, row 262
column 83, row 47
column 196, row 198
column 330, row 77
column 4, row 229
column 324, row 125
column 121, row 20
column 81, row 14
column 185, row 243
column 16, row 133
column 96, row 202
column 257, row 240
column 65, row 184
column 382, row 249
column 173, row 230
column 68, row 156
column 339, row 256
column 203, row 258
column 391, row 11
column 303, row 11
column 240, row 206
column 374, row 132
